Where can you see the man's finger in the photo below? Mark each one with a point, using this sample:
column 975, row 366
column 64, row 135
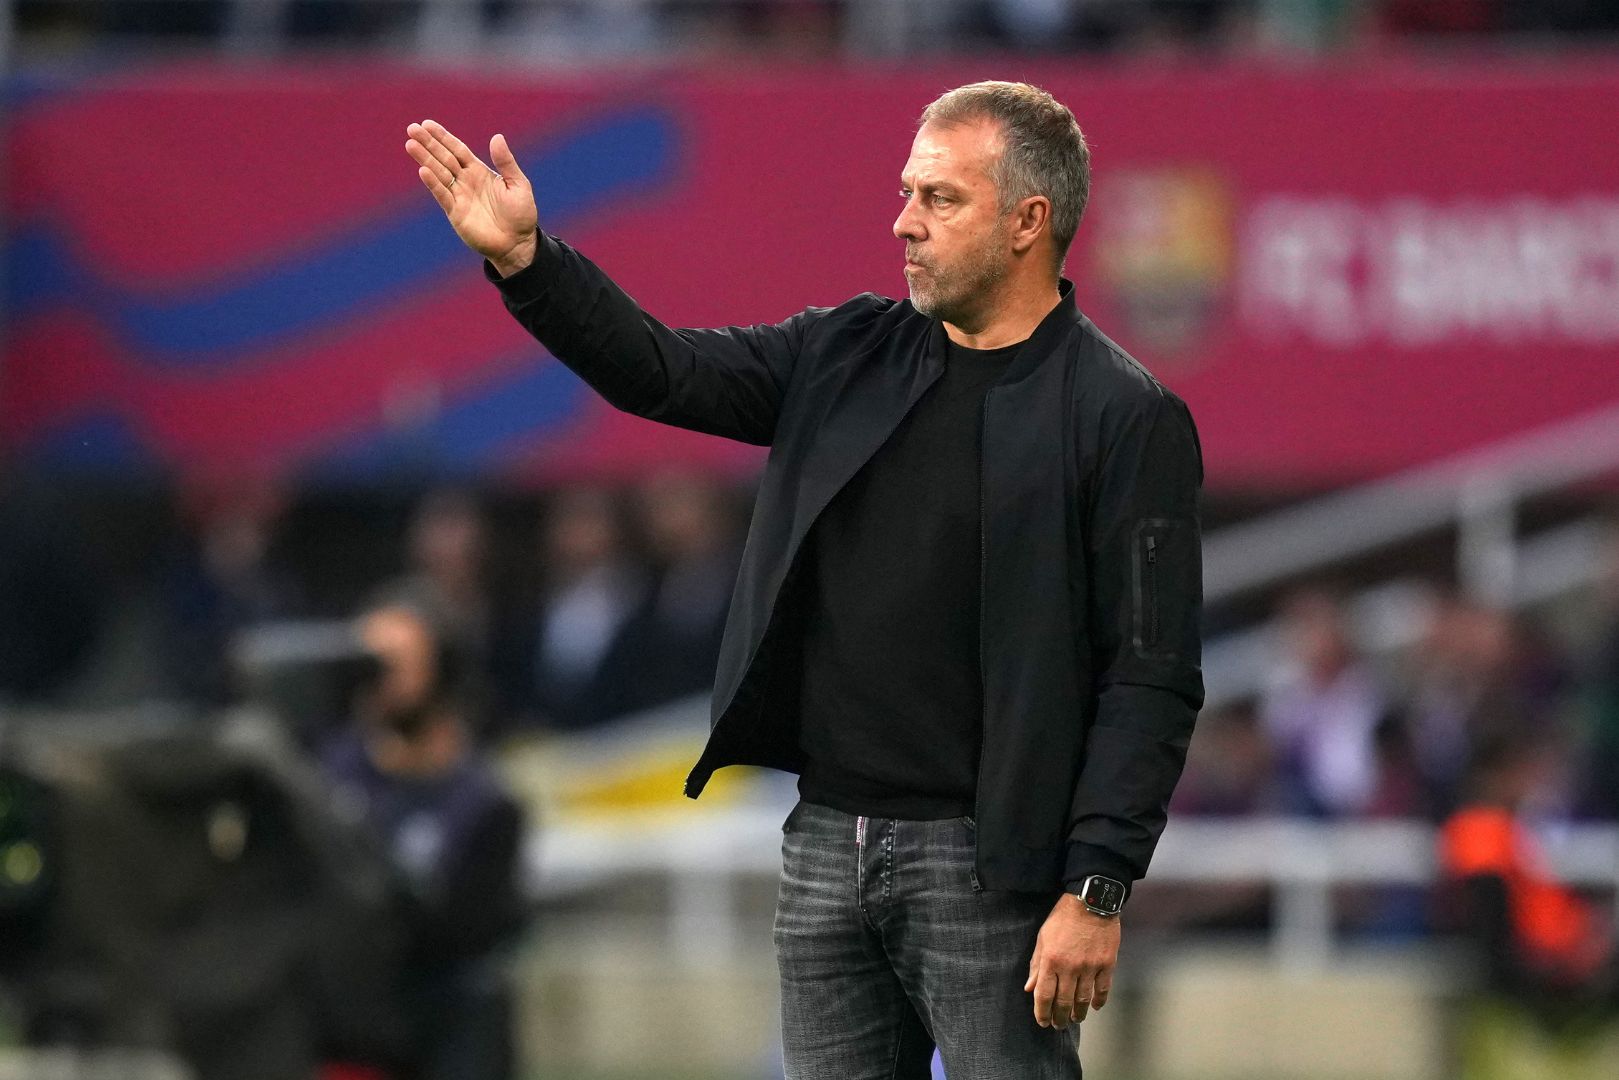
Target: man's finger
column 1033, row 969
column 1104, row 987
column 1062, row 1009
column 1084, row 993
column 1045, row 995
column 464, row 157
column 436, row 148
column 427, row 160
column 445, row 200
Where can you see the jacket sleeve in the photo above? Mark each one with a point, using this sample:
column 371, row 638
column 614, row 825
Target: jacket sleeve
column 727, row 381
column 1146, row 597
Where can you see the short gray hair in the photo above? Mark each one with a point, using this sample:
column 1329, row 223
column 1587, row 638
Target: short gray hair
column 1044, row 151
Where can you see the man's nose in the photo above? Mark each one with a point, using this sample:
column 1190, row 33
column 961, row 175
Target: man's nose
column 906, row 226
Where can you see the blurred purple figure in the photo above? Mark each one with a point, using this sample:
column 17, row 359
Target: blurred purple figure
column 1323, row 711
column 1478, row 673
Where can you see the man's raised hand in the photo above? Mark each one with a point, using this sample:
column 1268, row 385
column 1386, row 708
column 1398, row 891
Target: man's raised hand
column 491, row 210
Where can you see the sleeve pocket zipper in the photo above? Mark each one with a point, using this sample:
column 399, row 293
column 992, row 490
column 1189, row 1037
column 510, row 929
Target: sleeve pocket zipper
column 1155, row 540
column 1152, row 592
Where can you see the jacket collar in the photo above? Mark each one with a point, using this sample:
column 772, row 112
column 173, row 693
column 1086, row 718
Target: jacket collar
column 1039, row 345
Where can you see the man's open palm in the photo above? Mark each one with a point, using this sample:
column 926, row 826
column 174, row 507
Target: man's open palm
column 491, row 209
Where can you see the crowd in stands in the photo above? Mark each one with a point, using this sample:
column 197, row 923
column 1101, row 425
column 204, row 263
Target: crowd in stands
column 598, row 602
column 489, row 617
column 812, row 26
column 1338, row 734
column 586, row 604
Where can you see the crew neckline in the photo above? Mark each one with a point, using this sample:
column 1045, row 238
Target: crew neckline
column 986, row 354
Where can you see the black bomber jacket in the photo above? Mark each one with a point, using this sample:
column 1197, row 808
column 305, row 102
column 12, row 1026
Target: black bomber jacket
column 1091, row 573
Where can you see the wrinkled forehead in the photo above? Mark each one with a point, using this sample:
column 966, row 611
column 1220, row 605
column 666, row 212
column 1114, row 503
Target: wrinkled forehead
column 961, row 153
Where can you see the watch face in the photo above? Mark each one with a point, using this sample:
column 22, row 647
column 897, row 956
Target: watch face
column 1103, row 894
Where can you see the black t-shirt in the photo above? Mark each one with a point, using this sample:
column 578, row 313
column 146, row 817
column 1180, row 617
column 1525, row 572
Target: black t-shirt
column 892, row 698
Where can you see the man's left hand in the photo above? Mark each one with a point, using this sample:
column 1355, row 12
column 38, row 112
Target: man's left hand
column 1072, row 967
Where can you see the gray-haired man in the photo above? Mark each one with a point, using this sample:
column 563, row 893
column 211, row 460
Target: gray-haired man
column 967, row 615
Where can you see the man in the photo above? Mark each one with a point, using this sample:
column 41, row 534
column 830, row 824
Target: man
column 967, row 612
column 408, row 768
column 1543, row 946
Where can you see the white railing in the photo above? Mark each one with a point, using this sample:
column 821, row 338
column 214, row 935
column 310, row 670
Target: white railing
column 1476, row 490
column 706, row 856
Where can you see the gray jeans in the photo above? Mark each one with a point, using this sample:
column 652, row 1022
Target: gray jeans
column 887, row 947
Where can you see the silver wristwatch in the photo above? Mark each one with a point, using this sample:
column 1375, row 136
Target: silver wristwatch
column 1101, row 895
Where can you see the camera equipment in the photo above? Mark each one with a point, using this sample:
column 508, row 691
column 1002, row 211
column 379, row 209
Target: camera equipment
column 185, row 884
column 305, row 672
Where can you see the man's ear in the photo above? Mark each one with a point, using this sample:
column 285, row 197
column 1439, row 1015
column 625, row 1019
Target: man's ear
column 1031, row 219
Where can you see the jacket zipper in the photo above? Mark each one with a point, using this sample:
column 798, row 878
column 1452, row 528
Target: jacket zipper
column 1152, row 589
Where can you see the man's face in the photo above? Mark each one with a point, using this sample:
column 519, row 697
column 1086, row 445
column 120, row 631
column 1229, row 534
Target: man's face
column 957, row 243
column 404, row 643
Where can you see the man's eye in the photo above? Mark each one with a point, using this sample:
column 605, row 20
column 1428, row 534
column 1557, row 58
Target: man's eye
column 941, row 200
column 905, row 193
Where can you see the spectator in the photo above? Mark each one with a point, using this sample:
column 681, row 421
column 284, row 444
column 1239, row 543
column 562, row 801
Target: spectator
column 409, row 767
column 673, row 643
column 220, row 583
column 1544, row 949
column 51, row 617
column 1599, row 795
column 566, row 653
column 1400, row 790
column 447, row 579
column 1478, row 673
column 1322, row 712
column 1342, row 751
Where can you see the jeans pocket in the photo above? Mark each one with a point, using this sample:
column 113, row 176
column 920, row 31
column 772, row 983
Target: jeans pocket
column 792, row 817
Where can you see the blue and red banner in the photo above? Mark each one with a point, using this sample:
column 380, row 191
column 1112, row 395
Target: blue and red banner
column 1344, row 270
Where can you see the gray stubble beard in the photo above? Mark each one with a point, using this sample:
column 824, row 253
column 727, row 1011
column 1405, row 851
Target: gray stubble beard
column 961, row 304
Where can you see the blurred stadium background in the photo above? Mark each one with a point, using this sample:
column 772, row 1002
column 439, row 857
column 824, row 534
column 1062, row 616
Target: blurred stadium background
column 253, row 386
